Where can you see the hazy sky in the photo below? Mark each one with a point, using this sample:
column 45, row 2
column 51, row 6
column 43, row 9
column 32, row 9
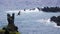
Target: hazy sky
column 6, row 5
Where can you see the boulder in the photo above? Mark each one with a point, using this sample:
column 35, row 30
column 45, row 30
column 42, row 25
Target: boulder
column 56, row 20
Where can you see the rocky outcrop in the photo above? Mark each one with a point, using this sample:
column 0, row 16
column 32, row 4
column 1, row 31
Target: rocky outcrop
column 56, row 20
column 11, row 26
column 51, row 9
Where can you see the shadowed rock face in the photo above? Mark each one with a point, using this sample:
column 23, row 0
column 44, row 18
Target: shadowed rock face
column 11, row 26
column 53, row 19
column 10, row 19
column 56, row 20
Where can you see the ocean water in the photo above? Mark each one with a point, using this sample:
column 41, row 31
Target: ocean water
column 32, row 22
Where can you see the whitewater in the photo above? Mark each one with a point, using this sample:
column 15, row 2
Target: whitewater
column 32, row 21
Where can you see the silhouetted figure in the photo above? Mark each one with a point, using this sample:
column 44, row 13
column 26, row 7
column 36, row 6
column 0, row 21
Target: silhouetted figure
column 19, row 13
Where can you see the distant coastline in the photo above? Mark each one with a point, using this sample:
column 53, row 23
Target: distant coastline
column 51, row 9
